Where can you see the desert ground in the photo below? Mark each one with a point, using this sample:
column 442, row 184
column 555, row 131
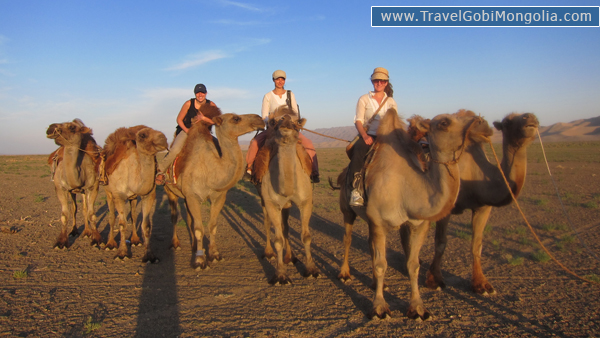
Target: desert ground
column 84, row 291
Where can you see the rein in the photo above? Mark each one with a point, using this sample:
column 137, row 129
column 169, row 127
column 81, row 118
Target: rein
column 529, row 225
column 331, row 137
column 462, row 146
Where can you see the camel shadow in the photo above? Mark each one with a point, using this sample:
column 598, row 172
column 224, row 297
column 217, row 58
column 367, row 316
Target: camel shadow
column 158, row 310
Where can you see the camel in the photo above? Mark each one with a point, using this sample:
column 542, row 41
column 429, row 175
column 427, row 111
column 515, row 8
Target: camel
column 204, row 170
column 75, row 170
column 130, row 164
column 401, row 194
column 283, row 168
column 482, row 187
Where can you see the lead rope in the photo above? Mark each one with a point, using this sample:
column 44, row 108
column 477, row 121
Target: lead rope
column 561, row 203
column 529, row 225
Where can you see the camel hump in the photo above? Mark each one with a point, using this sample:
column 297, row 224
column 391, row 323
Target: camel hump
column 210, row 110
column 390, row 122
column 117, row 144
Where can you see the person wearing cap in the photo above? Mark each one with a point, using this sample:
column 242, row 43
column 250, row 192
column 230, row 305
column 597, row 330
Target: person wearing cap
column 370, row 108
column 271, row 101
column 188, row 115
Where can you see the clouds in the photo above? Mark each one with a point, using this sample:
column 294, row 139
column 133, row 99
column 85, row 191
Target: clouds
column 204, row 57
column 241, row 5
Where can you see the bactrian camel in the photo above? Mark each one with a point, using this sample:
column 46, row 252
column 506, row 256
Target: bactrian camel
column 482, row 187
column 285, row 179
column 400, row 193
column 130, row 164
column 75, row 170
column 207, row 171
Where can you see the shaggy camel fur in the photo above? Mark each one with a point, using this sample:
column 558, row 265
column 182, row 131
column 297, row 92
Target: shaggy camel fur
column 400, row 193
column 76, row 171
column 286, row 179
column 482, row 187
column 130, row 164
column 207, row 170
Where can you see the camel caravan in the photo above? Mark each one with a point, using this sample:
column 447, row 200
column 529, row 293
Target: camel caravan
column 412, row 175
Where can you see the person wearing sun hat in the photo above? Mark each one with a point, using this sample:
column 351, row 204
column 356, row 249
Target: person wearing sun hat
column 188, row 115
column 370, row 108
column 271, row 101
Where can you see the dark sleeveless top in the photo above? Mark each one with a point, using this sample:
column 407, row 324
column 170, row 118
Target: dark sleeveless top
column 191, row 113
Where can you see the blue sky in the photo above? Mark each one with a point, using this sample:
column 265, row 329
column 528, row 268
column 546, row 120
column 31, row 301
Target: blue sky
column 124, row 63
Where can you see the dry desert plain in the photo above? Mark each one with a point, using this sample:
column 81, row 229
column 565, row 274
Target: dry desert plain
column 84, row 291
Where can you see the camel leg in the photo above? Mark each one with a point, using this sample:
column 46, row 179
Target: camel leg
column 199, row 260
column 216, row 205
column 173, row 199
column 434, row 279
column 89, row 199
column 416, row 310
column 135, row 238
column 148, row 203
column 479, row 282
column 269, row 253
column 87, row 232
column 280, row 273
column 305, row 212
column 377, row 238
column 122, row 251
column 63, row 239
column 289, row 253
column 349, row 218
column 74, row 231
column 111, row 244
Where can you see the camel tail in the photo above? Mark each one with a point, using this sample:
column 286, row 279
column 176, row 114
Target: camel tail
column 333, row 187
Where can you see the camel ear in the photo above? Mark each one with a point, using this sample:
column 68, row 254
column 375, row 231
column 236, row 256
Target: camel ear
column 85, row 130
column 142, row 134
column 424, row 126
column 218, row 120
column 301, row 122
column 498, row 125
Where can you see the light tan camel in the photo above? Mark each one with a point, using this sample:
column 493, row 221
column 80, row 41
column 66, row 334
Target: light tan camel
column 75, row 170
column 285, row 179
column 130, row 164
column 482, row 187
column 205, row 170
column 400, row 193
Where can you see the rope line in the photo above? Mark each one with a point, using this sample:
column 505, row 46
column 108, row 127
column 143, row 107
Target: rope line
column 529, row 225
column 335, row 138
column 561, row 202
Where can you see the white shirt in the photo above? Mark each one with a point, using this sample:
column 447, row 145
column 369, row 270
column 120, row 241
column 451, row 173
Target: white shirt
column 366, row 108
column 272, row 101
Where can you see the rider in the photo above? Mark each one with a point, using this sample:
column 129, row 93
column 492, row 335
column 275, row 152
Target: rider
column 370, row 108
column 188, row 115
column 271, row 101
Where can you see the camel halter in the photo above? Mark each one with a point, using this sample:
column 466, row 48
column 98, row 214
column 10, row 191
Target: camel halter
column 462, row 146
column 56, row 132
column 529, row 225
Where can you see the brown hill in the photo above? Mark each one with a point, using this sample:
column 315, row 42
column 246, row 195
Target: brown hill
column 578, row 130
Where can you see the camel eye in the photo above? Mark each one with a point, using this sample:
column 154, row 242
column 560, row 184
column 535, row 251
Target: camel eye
column 236, row 119
column 72, row 128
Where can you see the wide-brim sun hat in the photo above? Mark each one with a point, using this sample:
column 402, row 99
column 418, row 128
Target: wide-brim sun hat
column 278, row 73
column 380, row 73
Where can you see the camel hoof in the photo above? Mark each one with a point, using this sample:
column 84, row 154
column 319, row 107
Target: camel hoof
column 200, row 266
column 269, row 256
column 484, row 290
column 385, row 287
column 216, row 257
column 434, row 283
column 414, row 315
column 381, row 312
column 346, row 279
column 175, row 247
column 280, row 280
column 314, row 273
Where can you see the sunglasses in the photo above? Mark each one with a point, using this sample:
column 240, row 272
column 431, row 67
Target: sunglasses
column 384, row 81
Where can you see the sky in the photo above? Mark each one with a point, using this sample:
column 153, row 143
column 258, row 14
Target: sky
column 115, row 63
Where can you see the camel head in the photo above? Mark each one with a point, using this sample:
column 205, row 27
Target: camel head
column 150, row 141
column 287, row 128
column 447, row 133
column 518, row 130
column 232, row 125
column 68, row 133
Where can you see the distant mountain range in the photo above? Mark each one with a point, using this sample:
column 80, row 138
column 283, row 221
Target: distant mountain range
column 579, row 130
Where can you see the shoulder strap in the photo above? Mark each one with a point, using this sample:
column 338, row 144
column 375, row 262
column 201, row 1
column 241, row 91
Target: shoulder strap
column 288, row 100
column 378, row 109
